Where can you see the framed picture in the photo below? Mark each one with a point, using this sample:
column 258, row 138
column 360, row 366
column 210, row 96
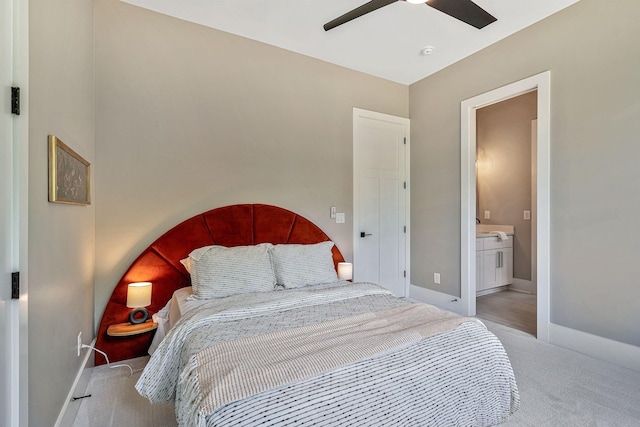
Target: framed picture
column 69, row 175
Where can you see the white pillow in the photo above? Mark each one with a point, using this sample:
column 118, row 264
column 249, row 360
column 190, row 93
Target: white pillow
column 303, row 265
column 219, row 271
column 187, row 264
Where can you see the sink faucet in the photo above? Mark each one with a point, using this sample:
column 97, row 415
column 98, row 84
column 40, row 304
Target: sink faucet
column 477, row 220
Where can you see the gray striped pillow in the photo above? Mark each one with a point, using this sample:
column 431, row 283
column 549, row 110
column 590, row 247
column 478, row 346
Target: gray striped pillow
column 303, row 265
column 219, row 271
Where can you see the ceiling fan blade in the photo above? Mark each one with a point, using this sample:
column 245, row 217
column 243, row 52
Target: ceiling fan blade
column 464, row 10
column 358, row 12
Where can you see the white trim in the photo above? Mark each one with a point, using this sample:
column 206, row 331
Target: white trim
column 616, row 352
column 468, row 107
column 491, row 290
column 439, row 299
column 358, row 112
column 407, row 201
column 70, row 408
column 521, row 285
column 20, row 337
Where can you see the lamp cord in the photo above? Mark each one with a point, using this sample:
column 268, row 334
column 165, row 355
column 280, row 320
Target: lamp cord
column 121, row 365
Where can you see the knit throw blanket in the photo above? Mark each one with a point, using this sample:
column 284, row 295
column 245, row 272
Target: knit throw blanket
column 233, row 370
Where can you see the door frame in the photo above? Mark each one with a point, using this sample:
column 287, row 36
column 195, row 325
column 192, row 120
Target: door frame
column 358, row 112
column 542, row 83
column 16, row 33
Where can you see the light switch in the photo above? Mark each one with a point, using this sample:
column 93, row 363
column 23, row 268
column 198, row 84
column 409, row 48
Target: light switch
column 487, row 214
column 340, row 218
column 333, row 212
column 527, row 214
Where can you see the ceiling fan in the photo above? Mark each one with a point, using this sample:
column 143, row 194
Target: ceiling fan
column 464, row 10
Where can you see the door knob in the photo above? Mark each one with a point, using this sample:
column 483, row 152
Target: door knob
column 363, row 234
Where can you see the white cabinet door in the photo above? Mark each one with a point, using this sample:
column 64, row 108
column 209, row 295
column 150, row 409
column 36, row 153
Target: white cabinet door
column 479, row 271
column 490, row 260
column 497, row 266
column 505, row 272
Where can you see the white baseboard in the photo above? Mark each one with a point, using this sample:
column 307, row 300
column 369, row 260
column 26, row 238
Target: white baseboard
column 616, row 352
column 522, row 285
column 439, row 299
column 70, row 408
column 491, row 291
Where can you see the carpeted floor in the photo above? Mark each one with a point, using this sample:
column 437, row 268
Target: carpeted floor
column 558, row 387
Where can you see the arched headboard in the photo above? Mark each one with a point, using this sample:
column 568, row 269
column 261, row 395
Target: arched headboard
column 235, row 225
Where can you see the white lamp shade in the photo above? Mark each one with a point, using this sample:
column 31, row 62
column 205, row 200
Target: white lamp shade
column 345, row 270
column 139, row 294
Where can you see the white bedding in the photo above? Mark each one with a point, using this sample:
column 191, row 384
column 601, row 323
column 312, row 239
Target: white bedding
column 168, row 316
column 461, row 377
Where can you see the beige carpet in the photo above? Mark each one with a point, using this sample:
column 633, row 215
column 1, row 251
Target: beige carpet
column 558, row 387
column 114, row 401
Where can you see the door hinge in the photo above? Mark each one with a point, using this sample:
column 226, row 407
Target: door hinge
column 15, row 285
column 405, row 273
column 405, row 140
column 405, row 229
column 404, row 185
column 15, row 101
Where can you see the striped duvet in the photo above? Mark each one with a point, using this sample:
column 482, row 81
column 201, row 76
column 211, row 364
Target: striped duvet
column 457, row 378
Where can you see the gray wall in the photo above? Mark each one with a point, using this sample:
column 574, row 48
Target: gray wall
column 592, row 51
column 61, row 237
column 190, row 118
column 504, row 171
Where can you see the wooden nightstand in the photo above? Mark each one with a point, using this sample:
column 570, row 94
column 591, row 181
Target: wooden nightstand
column 127, row 329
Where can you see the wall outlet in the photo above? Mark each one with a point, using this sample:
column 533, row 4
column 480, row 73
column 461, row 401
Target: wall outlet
column 79, row 342
column 436, row 278
column 527, row 214
column 487, row 214
column 340, row 218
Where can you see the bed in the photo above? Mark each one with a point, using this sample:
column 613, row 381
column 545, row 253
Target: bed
column 303, row 347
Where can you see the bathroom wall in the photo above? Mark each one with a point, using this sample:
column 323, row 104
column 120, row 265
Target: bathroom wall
column 504, row 171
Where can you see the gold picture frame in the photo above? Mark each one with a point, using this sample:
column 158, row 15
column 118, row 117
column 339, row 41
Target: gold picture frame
column 69, row 175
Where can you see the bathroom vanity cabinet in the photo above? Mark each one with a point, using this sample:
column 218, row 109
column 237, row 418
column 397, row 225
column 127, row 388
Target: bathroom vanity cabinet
column 494, row 262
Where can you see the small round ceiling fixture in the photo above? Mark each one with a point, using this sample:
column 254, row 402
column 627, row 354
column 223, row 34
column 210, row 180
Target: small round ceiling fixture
column 427, row 50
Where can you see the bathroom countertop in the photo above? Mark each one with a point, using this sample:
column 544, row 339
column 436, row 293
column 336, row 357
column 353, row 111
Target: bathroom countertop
column 489, row 230
column 483, row 234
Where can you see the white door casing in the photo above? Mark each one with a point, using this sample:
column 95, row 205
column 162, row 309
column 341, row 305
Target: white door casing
column 6, row 209
column 381, row 200
column 534, row 204
column 13, row 213
column 542, row 83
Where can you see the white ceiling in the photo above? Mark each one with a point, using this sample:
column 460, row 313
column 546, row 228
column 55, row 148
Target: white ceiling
column 385, row 43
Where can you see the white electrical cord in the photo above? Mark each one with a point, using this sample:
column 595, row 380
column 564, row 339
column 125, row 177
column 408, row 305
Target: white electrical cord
column 122, row 365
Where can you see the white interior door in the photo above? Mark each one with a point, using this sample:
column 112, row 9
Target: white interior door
column 381, row 199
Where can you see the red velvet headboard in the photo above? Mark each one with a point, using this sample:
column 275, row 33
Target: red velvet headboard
column 236, row 225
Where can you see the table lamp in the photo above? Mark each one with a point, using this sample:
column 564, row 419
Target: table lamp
column 345, row 270
column 138, row 297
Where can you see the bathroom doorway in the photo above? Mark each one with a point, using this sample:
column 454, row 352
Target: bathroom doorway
column 542, row 84
column 505, row 201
